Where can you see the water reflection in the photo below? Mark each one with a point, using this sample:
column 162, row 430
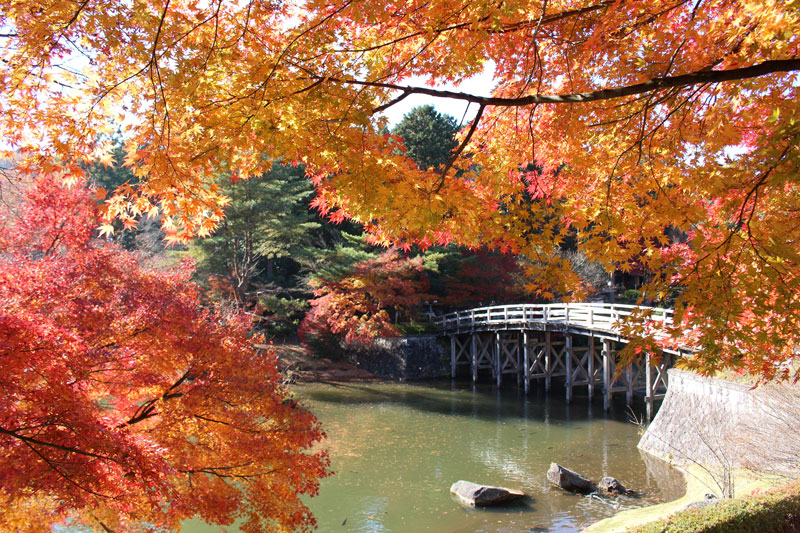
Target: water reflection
column 397, row 448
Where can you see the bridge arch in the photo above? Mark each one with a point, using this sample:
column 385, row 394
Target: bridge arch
column 576, row 341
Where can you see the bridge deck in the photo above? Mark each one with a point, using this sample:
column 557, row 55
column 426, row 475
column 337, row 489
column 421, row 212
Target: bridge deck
column 516, row 339
column 603, row 320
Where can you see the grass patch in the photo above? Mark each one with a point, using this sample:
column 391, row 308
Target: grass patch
column 774, row 511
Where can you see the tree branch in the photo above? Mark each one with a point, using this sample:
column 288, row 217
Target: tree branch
column 684, row 80
column 461, row 147
column 471, row 25
column 68, row 479
column 148, row 408
column 29, row 441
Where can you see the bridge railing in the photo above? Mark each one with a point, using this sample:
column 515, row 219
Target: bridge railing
column 593, row 316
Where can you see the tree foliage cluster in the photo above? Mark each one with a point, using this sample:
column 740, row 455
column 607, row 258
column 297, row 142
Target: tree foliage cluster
column 359, row 306
column 271, row 255
column 643, row 116
column 616, row 125
column 361, row 292
column 122, row 400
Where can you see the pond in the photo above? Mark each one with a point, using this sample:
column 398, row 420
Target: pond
column 397, row 447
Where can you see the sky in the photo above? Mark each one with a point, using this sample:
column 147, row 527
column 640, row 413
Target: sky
column 480, row 85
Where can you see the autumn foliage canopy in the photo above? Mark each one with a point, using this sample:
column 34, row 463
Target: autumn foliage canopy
column 360, row 306
column 663, row 133
column 124, row 404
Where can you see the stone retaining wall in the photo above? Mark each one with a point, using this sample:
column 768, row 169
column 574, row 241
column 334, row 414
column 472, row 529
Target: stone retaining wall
column 401, row 358
column 711, row 421
column 696, row 415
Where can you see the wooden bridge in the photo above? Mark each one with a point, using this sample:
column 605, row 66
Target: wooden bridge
column 576, row 341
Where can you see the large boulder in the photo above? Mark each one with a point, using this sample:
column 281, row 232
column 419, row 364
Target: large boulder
column 612, row 486
column 483, row 495
column 569, row 480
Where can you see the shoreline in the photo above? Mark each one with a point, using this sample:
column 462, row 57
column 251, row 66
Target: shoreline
column 698, row 483
column 297, row 365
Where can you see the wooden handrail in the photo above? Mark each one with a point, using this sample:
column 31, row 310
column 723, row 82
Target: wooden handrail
column 592, row 316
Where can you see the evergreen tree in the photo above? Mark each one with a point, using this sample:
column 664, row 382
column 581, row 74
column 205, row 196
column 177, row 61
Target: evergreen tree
column 267, row 220
column 428, row 136
column 337, row 261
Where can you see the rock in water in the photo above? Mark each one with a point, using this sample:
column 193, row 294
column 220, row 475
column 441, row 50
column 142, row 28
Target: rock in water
column 612, row 486
column 569, row 480
column 483, row 495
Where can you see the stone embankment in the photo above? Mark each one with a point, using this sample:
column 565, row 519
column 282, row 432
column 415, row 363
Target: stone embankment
column 395, row 358
column 401, row 358
column 723, row 435
column 719, row 423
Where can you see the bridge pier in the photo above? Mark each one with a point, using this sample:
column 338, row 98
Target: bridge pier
column 498, row 357
column 591, row 378
column 569, row 355
column 474, row 358
column 607, row 375
column 526, row 360
column 548, row 368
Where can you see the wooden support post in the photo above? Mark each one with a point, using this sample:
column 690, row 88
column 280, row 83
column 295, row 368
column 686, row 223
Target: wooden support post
column 453, row 355
column 518, row 358
column 474, row 357
column 590, row 370
column 629, row 379
column 648, row 394
column 607, row 379
column 526, row 360
column 498, row 361
column 547, row 369
column 568, row 353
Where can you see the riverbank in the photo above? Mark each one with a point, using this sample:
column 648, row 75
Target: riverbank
column 699, row 482
column 731, row 428
column 297, row 365
column 406, row 358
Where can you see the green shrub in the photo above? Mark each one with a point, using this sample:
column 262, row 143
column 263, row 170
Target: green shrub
column 282, row 316
column 417, row 328
column 631, row 296
column 770, row 512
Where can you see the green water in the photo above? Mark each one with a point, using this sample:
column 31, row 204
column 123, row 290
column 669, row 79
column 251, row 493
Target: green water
column 397, row 448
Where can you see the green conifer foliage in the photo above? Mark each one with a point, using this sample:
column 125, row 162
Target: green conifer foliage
column 267, row 220
column 428, row 136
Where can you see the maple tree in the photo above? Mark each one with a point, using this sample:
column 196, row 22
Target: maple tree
column 645, row 119
column 123, row 404
column 472, row 279
column 146, row 237
column 359, row 306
